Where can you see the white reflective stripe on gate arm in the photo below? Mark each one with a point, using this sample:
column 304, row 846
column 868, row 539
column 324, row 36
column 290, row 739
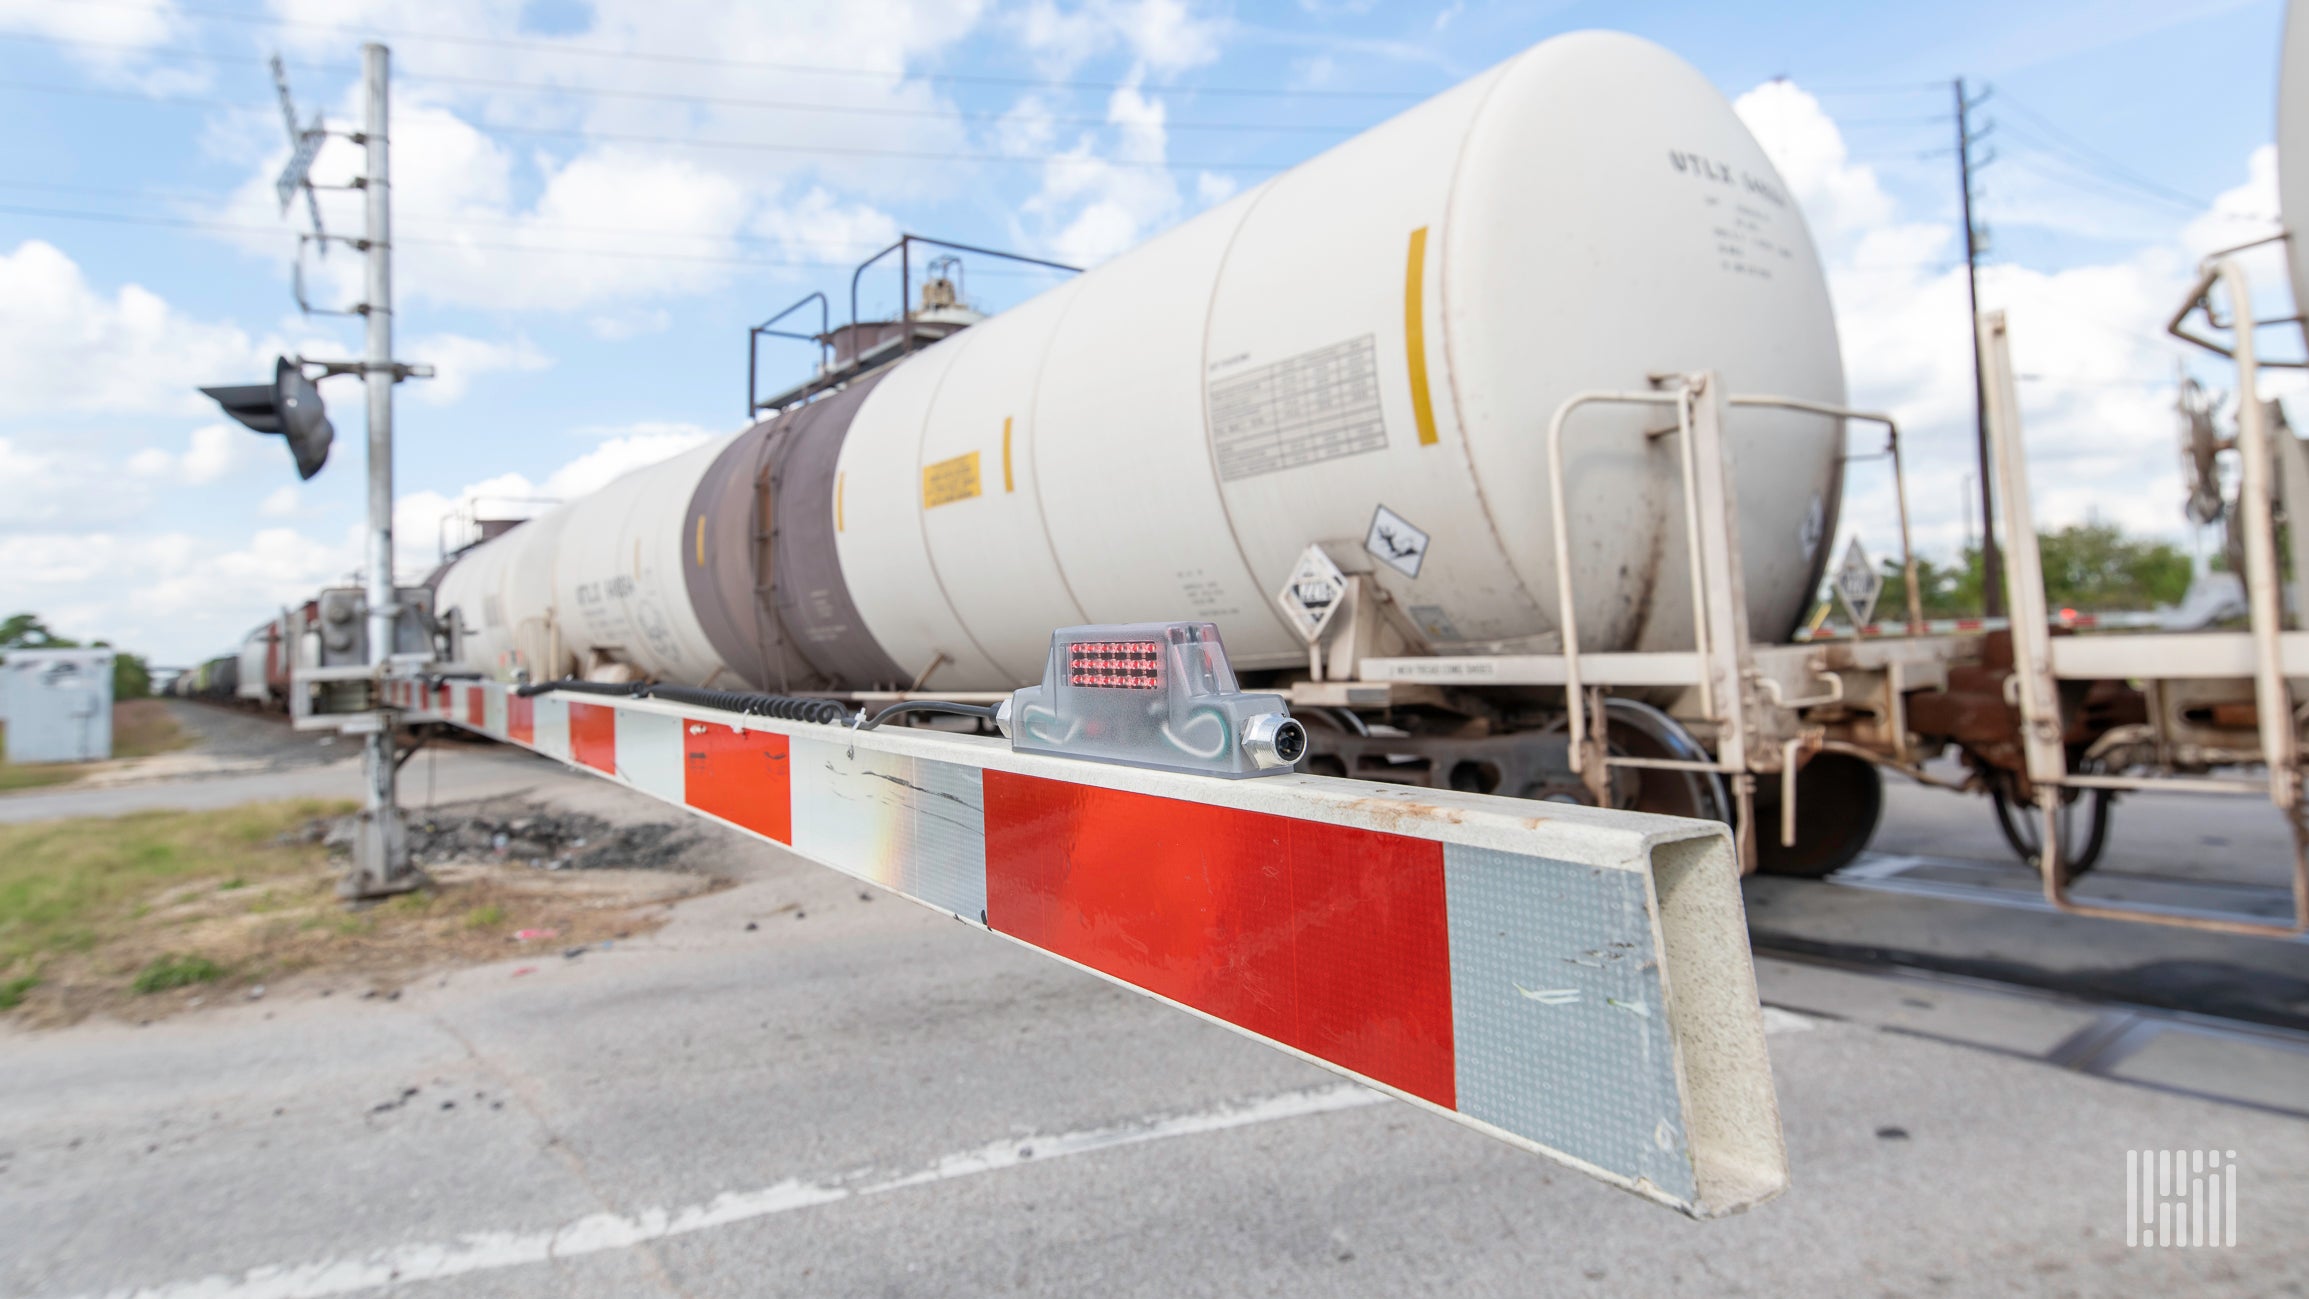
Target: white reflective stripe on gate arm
column 1574, row 981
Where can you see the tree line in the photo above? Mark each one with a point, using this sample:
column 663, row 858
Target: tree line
column 2093, row 567
column 131, row 675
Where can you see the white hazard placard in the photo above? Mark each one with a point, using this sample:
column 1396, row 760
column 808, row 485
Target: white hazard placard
column 1395, row 542
column 1858, row 583
column 1313, row 593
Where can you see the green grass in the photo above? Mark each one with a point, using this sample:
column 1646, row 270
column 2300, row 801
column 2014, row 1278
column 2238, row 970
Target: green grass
column 12, row 990
column 174, row 971
column 65, row 885
column 487, row 916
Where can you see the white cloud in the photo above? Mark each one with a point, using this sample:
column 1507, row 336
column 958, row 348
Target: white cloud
column 1163, row 36
column 211, row 452
column 282, row 502
column 1839, row 197
column 175, row 596
column 2088, row 339
column 42, row 489
column 818, row 223
column 617, row 326
column 617, row 456
column 458, row 360
column 570, row 199
column 423, row 521
column 111, row 38
column 214, row 451
column 1093, row 204
column 66, row 348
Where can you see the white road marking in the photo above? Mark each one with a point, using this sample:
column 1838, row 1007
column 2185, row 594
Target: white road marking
column 1777, row 1020
column 596, row 1233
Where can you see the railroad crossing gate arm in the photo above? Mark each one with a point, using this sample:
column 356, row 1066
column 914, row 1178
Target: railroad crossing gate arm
column 1570, row 980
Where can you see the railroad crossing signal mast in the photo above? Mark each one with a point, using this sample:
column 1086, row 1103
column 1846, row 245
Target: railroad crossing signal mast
column 291, row 406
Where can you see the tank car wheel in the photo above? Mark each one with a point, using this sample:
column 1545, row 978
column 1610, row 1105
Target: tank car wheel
column 1638, row 730
column 2019, row 822
column 1839, row 799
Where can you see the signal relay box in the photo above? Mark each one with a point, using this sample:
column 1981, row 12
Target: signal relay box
column 1152, row 694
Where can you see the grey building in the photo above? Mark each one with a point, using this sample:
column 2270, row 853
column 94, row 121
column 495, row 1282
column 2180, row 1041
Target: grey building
column 58, row 704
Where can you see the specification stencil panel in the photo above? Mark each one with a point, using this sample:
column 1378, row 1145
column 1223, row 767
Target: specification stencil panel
column 1315, row 406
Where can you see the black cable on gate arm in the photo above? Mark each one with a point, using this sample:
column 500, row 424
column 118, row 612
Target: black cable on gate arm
column 784, row 708
column 985, row 712
column 627, row 689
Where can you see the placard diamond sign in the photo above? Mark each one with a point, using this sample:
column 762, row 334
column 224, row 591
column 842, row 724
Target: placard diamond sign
column 1313, row 593
column 1858, row 583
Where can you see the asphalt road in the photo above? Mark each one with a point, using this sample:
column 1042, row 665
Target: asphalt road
column 860, row 1098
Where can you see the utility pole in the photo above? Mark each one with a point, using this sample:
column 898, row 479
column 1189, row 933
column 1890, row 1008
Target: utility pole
column 381, row 852
column 1976, row 238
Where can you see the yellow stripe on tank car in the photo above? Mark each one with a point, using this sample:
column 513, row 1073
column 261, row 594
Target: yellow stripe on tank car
column 701, row 541
column 1415, row 336
column 838, row 501
column 1008, row 485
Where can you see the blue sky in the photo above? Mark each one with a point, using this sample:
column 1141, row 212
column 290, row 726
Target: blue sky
column 596, row 198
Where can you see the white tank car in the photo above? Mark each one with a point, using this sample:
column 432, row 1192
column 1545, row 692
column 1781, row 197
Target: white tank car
column 2293, row 153
column 1387, row 327
column 502, row 597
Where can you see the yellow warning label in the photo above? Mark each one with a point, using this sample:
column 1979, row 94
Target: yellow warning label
column 949, row 481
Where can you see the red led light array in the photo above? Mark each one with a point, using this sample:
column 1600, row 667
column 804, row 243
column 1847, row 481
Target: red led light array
column 1115, row 664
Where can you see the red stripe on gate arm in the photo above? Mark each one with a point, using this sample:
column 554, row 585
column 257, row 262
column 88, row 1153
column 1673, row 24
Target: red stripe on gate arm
column 520, row 718
column 740, row 776
column 1327, row 938
column 593, row 736
column 476, row 707
column 441, row 699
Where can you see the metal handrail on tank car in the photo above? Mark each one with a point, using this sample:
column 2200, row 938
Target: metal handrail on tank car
column 905, row 250
column 824, row 338
column 827, row 376
column 2034, row 672
column 2200, row 298
column 1681, row 397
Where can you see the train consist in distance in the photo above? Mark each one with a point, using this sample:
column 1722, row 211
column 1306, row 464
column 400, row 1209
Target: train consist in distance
column 1552, row 350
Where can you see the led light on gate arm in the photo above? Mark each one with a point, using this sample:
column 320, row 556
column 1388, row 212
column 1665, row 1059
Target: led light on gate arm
column 1151, row 694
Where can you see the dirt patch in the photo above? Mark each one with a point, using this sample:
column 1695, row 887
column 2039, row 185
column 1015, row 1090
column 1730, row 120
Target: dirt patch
column 509, row 879
column 513, row 831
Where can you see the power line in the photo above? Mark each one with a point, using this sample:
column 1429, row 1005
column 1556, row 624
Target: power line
column 195, row 223
column 212, row 199
column 1935, row 120
column 694, row 142
column 674, row 97
column 705, row 60
column 2050, row 168
column 2094, row 159
column 1879, row 88
column 859, row 109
